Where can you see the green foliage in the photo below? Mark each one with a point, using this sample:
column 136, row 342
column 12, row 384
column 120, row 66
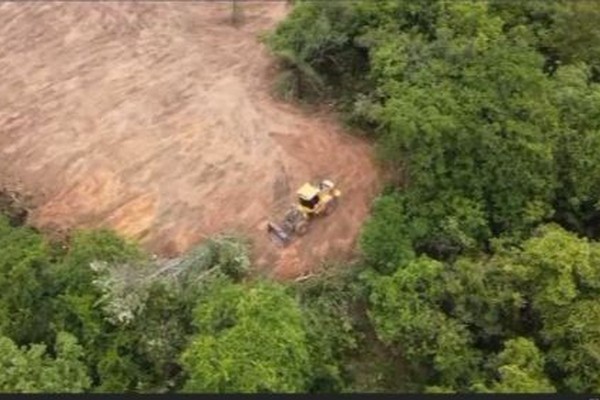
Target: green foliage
column 152, row 308
column 231, row 256
column 131, row 316
column 32, row 370
column 578, row 100
column 438, row 390
column 74, row 274
column 574, row 340
column 520, row 368
column 250, row 340
column 460, row 116
column 575, row 34
column 485, row 295
column 405, row 310
column 161, row 333
column 105, row 245
column 299, row 48
column 386, row 240
column 328, row 304
column 556, row 274
column 24, row 284
column 76, row 299
column 403, row 306
column 449, row 320
column 315, row 59
column 402, row 226
column 456, row 362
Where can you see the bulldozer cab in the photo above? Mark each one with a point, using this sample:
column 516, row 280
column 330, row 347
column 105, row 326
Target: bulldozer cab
column 308, row 196
column 313, row 200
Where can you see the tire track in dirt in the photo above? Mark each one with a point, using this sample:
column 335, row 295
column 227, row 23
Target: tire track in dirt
column 155, row 119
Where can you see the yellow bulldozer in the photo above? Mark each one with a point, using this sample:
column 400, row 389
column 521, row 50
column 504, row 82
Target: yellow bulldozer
column 312, row 200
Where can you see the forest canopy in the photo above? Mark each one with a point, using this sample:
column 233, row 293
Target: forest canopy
column 480, row 256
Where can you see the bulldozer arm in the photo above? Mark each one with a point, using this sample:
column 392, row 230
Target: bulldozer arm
column 278, row 234
column 282, row 233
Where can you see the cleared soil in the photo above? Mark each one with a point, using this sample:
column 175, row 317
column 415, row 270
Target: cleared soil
column 157, row 120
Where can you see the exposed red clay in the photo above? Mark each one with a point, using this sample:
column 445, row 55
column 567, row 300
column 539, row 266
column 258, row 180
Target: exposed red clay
column 156, row 119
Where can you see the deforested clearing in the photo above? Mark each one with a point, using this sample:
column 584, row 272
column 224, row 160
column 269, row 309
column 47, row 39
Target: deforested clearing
column 158, row 120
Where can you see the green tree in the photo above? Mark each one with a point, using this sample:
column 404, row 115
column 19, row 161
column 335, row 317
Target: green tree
column 250, row 340
column 24, row 284
column 402, row 306
column 406, row 313
column 386, row 239
column 578, row 101
column 575, row 33
column 552, row 272
column 574, row 339
column 32, row 370
column 328, row 306
column 76, row 303
column 520, row 369
column 486, row 295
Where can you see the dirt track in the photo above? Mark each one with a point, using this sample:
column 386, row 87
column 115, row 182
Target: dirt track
column 155, row 119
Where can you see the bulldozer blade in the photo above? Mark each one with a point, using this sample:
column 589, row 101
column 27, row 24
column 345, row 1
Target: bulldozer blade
column 277, row 234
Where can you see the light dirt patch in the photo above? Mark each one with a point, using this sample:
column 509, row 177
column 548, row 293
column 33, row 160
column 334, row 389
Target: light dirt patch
column 155, row 119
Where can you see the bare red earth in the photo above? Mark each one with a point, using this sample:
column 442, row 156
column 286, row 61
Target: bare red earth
column 156, row 119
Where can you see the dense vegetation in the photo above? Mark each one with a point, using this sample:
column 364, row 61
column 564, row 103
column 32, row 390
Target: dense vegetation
column 95, row 314
column 480, row 266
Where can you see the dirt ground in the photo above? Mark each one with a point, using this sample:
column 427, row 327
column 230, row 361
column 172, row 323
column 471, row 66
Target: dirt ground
column 156, row 119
